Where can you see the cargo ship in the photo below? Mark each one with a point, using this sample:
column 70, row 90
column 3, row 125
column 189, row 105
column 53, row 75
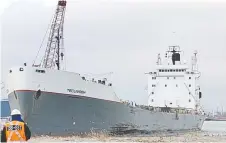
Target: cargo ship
column 54, row 101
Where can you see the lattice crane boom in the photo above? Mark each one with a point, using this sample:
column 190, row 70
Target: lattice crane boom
column 53, row 51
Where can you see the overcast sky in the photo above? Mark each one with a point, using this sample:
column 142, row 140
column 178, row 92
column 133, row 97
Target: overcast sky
column 123, row 37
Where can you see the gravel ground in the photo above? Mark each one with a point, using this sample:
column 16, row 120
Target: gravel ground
column 185, row 137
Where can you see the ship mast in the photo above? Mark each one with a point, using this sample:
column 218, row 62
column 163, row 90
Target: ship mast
column 53, row 51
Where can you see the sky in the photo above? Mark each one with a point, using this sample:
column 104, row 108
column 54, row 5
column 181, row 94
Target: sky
column 123, row 37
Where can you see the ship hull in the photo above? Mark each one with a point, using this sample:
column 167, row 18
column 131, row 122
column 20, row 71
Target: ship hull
column 51, row 113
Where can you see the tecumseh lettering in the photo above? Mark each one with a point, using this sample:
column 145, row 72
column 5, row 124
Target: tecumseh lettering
column 76, row 91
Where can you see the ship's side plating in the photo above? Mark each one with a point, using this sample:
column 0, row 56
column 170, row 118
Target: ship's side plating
column 59, row 114
column 59, row 102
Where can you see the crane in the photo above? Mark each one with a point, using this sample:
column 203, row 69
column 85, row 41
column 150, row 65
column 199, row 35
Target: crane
column 53, row 52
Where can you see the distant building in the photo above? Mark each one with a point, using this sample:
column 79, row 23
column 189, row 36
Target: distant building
column 5, row 109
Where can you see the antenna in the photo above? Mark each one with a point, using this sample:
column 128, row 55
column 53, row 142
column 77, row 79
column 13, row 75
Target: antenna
column 159, row 60
column 194, row 61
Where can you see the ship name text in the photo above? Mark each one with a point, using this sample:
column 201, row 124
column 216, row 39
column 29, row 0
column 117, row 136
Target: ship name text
column 76, row 91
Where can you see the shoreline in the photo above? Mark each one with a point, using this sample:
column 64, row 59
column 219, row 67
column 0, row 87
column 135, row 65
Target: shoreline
column 197, row 136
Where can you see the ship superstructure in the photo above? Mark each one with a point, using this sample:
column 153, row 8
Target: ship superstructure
column 174, row 82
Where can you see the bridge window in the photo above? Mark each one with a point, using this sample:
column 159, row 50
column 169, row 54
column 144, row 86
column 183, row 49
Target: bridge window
column 189, row 100
column 153, row 77
column 153, row 85
column 152, row 100
column 176, row 85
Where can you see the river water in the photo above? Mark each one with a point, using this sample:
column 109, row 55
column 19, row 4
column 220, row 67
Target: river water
column 214, row 127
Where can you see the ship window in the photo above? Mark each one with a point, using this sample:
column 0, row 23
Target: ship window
column 160, row 70
column 153, row 77
column 153, row 85
column 165, row 85
column 174, row 77
column 189, row 85
column 152, row 100
column 10, row 71
column 176, row 85
column 176, row 70
column 166, row 70
column 189, row 100
column 189, row 77
column 179, row 70
column 152, row 93
column 167, row 77
column 190, row 93
column 171, row 70
column 21, row 69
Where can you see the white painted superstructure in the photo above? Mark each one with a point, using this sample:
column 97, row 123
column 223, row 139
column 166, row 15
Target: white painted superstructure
column 173, row 83
column 57, row 81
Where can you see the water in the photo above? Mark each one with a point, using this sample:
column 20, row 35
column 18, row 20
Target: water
column 214, row 127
